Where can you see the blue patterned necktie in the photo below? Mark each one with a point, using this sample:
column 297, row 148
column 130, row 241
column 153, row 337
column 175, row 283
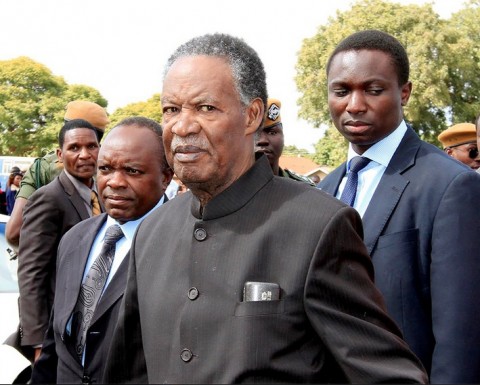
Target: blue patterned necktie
column 92, row 288
column 350, row 191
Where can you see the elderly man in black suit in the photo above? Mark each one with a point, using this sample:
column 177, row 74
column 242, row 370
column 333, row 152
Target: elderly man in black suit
column 248, row 277
column 132, row 177
column 419, row 207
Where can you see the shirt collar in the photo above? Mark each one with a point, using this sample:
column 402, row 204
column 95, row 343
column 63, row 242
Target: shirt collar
column 130, row 227
column 238, row 194
column 382, row 151
column 82, row 188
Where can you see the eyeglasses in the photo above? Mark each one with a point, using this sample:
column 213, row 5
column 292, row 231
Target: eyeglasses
column 472, row 152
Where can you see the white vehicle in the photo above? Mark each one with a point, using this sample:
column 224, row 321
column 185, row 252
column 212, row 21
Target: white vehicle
column 13, row 366
column 8, row 286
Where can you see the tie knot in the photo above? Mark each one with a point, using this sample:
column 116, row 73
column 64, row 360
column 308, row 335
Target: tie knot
column 357, row 163
column 113, row 234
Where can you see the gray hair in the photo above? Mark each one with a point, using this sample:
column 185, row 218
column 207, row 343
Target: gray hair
column 247, row 68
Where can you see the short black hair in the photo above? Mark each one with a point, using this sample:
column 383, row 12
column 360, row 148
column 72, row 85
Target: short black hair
column 375, row 40
column 142, row 121
column 150, row 124
column 71, row 125
column 98, row 131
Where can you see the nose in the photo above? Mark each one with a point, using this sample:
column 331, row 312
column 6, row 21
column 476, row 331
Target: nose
column 261, row 140
column 85, row 153
column 356, row 103
column 116, row 180
column 185, row 123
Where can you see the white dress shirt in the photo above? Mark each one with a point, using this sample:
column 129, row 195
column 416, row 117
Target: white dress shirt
column 121, row 250
column 369, row 177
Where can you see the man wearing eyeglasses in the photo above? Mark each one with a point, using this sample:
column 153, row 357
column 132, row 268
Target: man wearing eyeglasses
column 460, row 142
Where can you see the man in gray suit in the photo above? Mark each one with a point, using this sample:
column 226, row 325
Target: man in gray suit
column 132, row 177
column 49, row 213
column 247, row 277
column 419, row 207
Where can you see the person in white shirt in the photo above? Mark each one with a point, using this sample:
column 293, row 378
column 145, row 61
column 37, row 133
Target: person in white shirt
column 419, row 207
column 132, row 177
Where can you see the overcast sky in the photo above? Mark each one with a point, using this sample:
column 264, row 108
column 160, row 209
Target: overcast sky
column 120, row 46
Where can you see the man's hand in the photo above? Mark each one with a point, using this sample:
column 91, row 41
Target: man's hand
column 37, row 352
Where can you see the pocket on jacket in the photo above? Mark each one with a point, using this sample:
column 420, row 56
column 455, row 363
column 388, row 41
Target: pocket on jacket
column 405, row 239
column 259, row 308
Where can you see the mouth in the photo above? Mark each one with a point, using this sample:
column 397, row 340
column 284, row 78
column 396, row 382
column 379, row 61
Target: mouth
column 186, row 154
column 356, row 126
column 87, row 166
column 265, row 151
column 116, row 200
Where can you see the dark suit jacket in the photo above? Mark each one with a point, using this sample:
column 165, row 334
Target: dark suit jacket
column 50, row 212
column 58, row 361
column 183, row 318
column 422, row 229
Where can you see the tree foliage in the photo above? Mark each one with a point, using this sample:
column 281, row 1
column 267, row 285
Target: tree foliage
column 463, row 34
column 332, row 149
column 149, row 109
column 444, row 61
column 294, row 150
column 32, row 105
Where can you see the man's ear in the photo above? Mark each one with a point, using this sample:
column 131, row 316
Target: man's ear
column 406, row 91
column 254, row 116
column 167, row 176
column 59, row 155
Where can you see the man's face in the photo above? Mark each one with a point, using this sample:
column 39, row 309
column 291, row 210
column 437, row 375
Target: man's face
column 364, row 97
column 131, row 178
column 270, row 141
column 207, row 132
column 466, row 153
column 79, row 154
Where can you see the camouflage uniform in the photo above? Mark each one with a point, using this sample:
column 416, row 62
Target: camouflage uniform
column 41, row 172
column 293, row 175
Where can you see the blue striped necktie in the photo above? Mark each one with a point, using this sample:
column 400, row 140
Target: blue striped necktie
column 350, row 191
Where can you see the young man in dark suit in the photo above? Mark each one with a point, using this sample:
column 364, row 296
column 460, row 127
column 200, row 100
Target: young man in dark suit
column 247, row 277
column 132, row 177
column 419, row 207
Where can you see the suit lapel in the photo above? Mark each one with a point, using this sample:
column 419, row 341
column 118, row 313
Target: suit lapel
column 332, row 181
column 115, row 288
column 77, row 256
column 390, row 189
column 73, row 195
column 381, row 206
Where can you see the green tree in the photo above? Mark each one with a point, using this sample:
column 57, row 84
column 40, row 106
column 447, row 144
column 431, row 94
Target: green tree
column 331, row 150
column 294, row 150
column 437, row 51
column 463, row 32
column 32, row 105
column 150, row 109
